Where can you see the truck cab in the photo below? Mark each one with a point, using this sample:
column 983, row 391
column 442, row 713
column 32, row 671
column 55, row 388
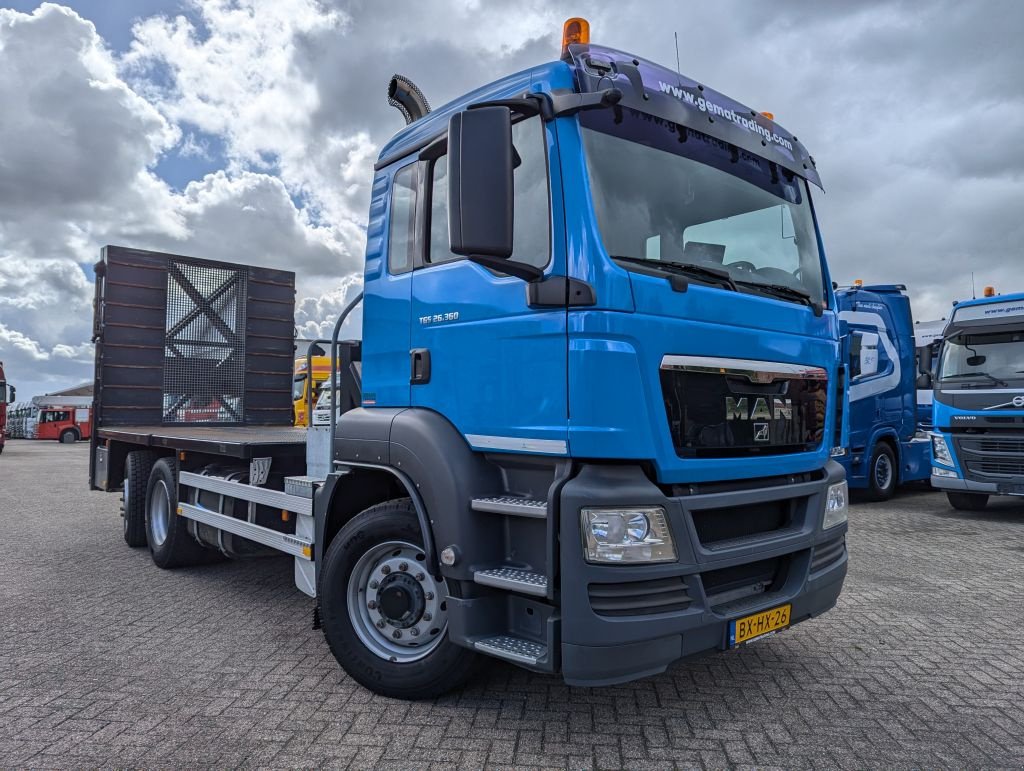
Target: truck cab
column 886, row 444
column 66, row 424
column 978, row 403
column 595, row 289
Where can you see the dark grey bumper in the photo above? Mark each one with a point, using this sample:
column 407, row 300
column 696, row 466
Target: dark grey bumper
column 601, row 649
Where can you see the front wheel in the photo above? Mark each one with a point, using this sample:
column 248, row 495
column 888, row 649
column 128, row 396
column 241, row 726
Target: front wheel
column 383, row 614
column 68, row 436
column 882, row 473
column 967, row 501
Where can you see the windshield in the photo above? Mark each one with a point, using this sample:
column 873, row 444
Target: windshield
column 984, row 357
column 666, row 193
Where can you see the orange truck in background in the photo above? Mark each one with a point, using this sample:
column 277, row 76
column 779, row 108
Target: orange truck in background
column 320, row 368
column 65, row 424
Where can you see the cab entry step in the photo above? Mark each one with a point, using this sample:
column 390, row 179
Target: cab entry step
column 507, row 504
column 514, row 580
column 510, row 648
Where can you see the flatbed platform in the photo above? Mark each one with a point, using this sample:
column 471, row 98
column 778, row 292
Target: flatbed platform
column 233, row 441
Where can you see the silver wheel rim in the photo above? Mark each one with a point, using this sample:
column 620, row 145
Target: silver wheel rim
column 883, row 472
column 386, row 571
column 127, row 497
column 159, row 512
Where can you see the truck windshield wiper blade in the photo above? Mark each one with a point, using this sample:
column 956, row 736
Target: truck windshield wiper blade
column 683, row 268
column 783, row 290
column 991, row 378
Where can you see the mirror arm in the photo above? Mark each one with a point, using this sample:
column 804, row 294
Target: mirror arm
column 511, row 267
column 570, row 104
column 526, row 105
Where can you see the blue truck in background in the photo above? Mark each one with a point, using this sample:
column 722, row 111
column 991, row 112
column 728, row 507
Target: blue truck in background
column 977, row 434
column 597, row 396
column 886, row 445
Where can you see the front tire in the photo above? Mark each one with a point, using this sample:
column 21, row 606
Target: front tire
column 137, row 467
column 68, row 436
column 967, row 501
column 383, row 614
column 882, row 473
column 167, row 533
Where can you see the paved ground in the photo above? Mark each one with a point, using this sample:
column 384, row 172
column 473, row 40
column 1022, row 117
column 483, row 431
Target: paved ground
column 107, row 661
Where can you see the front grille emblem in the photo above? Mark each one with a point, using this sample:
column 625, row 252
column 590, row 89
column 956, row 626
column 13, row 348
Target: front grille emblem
column 761, row 432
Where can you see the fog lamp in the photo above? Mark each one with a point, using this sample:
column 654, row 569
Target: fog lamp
column 835, row 505
column 938, row 471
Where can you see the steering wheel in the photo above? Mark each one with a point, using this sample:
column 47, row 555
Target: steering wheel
column 742, row 265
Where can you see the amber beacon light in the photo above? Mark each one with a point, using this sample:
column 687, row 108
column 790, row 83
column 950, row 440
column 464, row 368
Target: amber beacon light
column 575, row 30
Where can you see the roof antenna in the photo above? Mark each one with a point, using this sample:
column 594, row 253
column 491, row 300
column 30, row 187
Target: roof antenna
column 974, row 295
column 679, row 70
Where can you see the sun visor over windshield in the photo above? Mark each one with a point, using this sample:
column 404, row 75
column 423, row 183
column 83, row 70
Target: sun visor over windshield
column 658, row 91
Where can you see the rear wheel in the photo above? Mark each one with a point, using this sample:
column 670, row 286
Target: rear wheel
column 137, row 467
column 167, row 533
column 881, row 473
column 383, row 614
column 967, row 501
column 68, row 436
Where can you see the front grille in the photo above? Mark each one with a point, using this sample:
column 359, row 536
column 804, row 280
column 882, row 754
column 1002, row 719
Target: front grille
column 739, row 408
column 828, row 553
column 986, row 456
column 640, row 598
column 715, row 526
column 739, row 581
column 1003, row 466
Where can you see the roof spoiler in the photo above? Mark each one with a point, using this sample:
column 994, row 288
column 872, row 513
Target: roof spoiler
column 403, row 94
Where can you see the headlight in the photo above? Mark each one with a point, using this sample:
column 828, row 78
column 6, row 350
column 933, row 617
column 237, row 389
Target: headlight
column 835, row 506
column 635, row 534
column 938, row 471
column 940, row 450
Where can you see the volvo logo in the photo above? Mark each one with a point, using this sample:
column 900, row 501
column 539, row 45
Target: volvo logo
column 762, row 409
column 1016, row 401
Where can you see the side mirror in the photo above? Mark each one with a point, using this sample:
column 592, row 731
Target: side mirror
column 924, row 360
column 14, row 395
column 481, row 163
column 924, row 381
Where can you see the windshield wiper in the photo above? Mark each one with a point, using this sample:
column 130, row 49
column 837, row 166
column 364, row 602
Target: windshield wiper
column 721, row 277
column 992, row 378
column 790, row 292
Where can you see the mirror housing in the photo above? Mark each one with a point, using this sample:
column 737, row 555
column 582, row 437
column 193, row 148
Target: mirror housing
column 481, row 165
column 924, row 360
column 14, row 395
column 924, row 381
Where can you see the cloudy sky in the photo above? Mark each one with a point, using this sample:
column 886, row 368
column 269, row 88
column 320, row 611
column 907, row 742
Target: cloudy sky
column 246, row 130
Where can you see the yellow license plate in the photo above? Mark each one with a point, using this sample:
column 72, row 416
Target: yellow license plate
column 748, row 628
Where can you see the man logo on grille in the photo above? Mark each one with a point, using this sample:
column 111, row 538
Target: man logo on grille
column 760, row 432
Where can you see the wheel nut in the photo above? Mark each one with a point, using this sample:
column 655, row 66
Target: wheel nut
column 429, row 595
column 427, row 617
column 372, row 605
column 414, row 632
column 397, row 633
column 420, row 576
column 386, row 569
column 374, row 584
column 380, row 624
column 403, row 566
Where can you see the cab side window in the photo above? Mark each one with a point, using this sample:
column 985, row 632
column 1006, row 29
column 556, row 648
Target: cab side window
column 402, row 241
column 530, row 206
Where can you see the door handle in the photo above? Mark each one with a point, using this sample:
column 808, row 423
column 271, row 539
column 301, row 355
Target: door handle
column 420, row 364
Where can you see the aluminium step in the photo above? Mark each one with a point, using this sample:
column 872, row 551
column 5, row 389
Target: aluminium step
column 513, row 579
column 514, row 649
column 507, row 504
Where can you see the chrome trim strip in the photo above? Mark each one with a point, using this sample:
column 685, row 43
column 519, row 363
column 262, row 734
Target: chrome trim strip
column 521, row 444
column 755, row 371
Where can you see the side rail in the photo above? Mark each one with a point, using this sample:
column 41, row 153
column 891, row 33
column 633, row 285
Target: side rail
column 296, row 498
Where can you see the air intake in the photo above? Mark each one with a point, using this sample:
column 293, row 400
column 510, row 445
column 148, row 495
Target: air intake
column 403, row 94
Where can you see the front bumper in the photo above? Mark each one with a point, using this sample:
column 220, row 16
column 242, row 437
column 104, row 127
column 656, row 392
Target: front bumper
column 972, row 486
column 622, row 622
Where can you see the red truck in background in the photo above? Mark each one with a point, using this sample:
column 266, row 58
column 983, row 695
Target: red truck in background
column 65, row 424
column 7, row 394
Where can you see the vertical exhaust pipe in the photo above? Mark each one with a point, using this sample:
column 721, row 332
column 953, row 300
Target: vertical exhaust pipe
column 403, row 94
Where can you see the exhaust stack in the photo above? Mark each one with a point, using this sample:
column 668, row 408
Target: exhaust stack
column 403, row 94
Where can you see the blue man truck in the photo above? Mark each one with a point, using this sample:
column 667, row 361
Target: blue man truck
column 588, row 429
column 978, row 402
column 887, row 445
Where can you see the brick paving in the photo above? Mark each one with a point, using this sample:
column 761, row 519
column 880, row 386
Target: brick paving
column 106, row 660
